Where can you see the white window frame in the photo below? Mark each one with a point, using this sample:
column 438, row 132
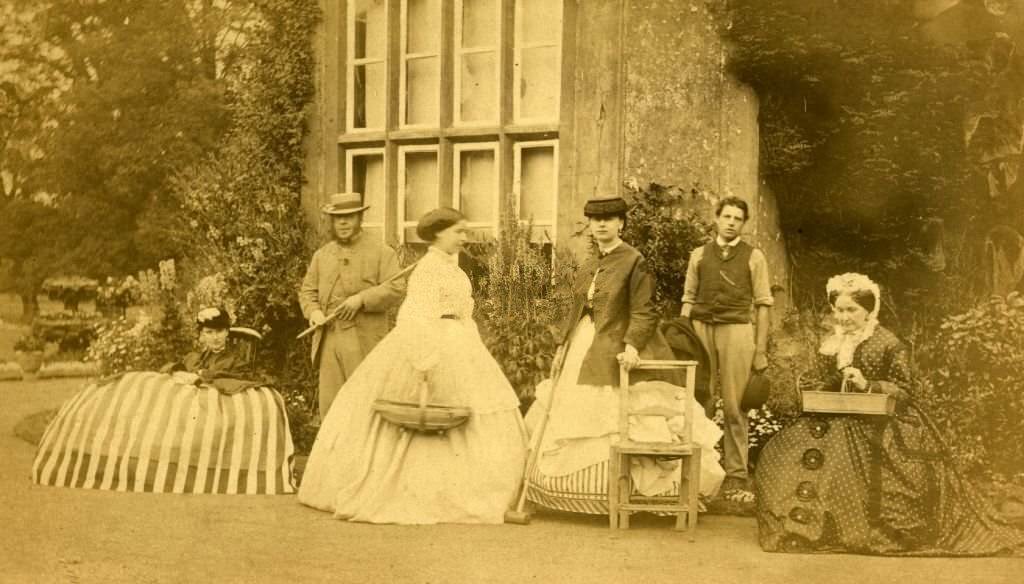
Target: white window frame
column 491, row 147
column 350, row 68
column 403, row 221
column 517, row 69
column 459, row 53
column 403, row 62
column 550, row 227
column 350, row 166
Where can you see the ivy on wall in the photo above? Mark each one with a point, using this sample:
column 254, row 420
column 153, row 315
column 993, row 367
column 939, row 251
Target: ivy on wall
column 242, row 210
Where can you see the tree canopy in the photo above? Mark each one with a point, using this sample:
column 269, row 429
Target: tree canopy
column 888, row 142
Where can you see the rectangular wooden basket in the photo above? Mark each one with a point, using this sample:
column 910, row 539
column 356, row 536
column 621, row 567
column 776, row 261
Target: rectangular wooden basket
column 835, row 402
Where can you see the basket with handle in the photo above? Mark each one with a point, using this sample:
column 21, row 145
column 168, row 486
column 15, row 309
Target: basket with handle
column 422, row 416
column 848, row 402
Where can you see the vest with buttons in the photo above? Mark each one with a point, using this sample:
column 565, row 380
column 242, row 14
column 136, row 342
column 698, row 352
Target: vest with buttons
column 726, row 290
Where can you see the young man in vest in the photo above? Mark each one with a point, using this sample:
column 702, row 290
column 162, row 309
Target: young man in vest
column 347, row 275
column 724, row 279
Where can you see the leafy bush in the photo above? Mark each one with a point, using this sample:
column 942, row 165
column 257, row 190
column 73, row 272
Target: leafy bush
column 117, row 294
column 665, row 228
column 71, row 331
column 973, row 383
column 889, row 153
column 30, row 343
column 242, row 210
column 71, row 290
column 519, row 305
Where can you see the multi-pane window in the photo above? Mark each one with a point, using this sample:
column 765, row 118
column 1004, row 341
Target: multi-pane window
column 364, row 171
column 451, row 102
column 367, row 64
column 477, row 186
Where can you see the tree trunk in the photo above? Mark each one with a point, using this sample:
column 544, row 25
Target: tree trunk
column 29, row 307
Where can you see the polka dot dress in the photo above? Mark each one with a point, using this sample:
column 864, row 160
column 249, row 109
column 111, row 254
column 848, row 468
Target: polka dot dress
column 872, row 484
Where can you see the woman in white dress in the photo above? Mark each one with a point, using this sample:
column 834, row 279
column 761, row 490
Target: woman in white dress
column 364, row 468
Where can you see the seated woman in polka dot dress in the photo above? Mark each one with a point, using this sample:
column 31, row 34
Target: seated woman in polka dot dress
column 870, row 484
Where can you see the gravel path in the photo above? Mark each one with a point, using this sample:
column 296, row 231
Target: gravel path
column 63, row 535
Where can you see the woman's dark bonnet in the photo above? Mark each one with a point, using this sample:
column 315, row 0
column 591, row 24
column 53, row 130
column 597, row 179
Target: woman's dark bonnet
column 606, row 208
column 213, row 318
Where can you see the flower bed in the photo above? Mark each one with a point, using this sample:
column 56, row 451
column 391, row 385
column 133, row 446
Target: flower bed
column 11, row 371
column 68, row 369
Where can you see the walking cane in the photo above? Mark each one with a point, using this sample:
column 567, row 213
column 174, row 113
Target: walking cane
column 519, row 515
column 337, row 311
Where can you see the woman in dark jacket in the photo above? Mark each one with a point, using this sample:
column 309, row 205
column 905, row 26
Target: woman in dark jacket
column 613, row 321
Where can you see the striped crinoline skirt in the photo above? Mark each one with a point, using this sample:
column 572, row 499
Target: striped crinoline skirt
column 147, row 432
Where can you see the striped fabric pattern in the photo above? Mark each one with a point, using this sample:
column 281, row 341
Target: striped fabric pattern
column 145, row 432
column 584, row 491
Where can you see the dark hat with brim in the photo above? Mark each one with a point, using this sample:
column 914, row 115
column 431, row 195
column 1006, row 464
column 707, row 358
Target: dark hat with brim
column 345, row 204
column 214, row 318
column 759, row 387
column 601, row 206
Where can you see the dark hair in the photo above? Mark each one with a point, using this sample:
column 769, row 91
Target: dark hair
column 732, row 202
column 865, row 298
column 437, row 221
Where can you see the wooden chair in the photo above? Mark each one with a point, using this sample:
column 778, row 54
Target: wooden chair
column 621, row 500
column 248, row 339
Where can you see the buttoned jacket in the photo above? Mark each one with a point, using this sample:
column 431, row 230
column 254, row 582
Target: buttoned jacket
column 337, row 272
column 623, row 311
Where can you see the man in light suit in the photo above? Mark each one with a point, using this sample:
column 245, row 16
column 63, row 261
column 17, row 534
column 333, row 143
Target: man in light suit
column 347, row 275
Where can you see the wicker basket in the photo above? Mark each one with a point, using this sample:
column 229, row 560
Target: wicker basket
column 422, row 416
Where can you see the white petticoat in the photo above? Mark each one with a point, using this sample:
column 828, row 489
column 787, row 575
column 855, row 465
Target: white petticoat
column 571, row 472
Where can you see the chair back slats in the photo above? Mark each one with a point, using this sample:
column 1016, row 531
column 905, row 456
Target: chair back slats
column 659, row 365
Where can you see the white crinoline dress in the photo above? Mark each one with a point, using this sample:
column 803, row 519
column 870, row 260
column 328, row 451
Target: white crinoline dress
column 363, row 468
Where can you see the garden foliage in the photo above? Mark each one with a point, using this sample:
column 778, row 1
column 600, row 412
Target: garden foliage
column 154, row 339
column 973, row 383
column 663, row 226
column 520, row 301
column 890, row 151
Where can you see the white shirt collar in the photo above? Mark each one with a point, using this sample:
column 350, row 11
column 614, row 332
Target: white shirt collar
column 722, row 243
column 608, row 250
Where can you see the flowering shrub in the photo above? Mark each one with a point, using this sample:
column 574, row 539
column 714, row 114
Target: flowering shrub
column 30, row 342
column 122, row 345
column 118, row 294
column 762, row 424
column 518, row 305
column 973, row 383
